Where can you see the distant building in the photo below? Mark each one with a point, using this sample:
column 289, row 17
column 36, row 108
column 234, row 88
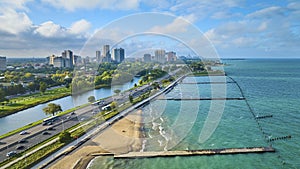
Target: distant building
column 118, row 55
column 106, row 56
column 76, row 59
column 66, row 60
column 160, row 56
column 69, row 56
column 171, row 56
column 51, row 59
column 61, row 62
column 98, row 56
column 147, row 57
column 2, row 63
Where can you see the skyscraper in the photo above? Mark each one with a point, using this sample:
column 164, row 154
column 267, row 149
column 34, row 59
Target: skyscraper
column 147, row 57
column 118, row 55
column 98, row 56
column 160, row 56
column 171, row 56
column 69, row 55
column 2, row 63
column 106, row 54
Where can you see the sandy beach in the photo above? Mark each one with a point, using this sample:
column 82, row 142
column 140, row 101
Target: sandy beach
column 122, row 137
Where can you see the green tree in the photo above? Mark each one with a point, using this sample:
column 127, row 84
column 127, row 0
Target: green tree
column 31, row 86
column 130, row 98
column 113, row 105
column 65, row 137
column 52, row 109
column 43, row 87
column 117, row 91
column 91, row 99
column 2, row 96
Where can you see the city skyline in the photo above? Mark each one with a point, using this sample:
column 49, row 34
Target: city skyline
column 235, row 28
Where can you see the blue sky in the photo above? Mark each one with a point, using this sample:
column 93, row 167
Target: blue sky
column 234, row 28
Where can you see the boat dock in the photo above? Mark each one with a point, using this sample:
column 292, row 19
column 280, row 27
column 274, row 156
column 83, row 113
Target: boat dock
column 149, row 154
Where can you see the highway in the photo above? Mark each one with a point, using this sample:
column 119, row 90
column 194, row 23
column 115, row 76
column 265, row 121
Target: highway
column 35, row 134
column 58, row 155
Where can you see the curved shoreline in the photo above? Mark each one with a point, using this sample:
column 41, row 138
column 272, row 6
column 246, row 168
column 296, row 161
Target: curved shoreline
column 122, row 137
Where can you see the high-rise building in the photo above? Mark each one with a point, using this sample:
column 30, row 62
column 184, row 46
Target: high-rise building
column 59, row 61
column 98, row 56
column 2, row 63
column 147, row 57
column 69, row 55
column 51, row 59
column 76, row 59
column 106, row 54
column 160, row 56
column 118, row 55
column 66, row 60
column 171, row 56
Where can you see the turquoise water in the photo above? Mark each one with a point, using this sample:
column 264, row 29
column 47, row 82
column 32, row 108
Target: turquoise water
column 271, row 87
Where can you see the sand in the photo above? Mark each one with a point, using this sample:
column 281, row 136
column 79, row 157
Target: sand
column 122, row 137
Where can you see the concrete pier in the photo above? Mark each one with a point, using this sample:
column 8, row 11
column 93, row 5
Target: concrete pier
column 226, row 98
column 223, row 151
column 205, row 82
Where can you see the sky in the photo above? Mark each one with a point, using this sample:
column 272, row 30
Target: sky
column 231, row 28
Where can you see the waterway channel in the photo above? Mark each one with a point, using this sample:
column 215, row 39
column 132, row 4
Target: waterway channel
column 36, row 113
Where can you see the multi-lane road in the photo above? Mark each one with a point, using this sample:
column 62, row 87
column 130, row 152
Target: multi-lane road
column 37, row 133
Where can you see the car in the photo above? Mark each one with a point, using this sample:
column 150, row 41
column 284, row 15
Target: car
column 50, row 128
column 2, row 143
column 49, row 123
column 22, row 140
column 20, row 147
column 73, row 113
column 24, row 132
column 45, row 133
column 11, row 153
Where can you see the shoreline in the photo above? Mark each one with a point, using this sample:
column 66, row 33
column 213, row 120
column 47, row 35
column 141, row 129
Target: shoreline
column 122, row 137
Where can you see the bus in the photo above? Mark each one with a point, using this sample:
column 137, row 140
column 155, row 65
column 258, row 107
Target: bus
column 50, row 120
column 106, row 108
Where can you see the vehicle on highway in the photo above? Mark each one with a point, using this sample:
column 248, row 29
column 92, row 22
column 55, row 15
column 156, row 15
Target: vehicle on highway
column 22, row 140
column 45, row 133
column 11, row 153
column 20, row 147
column 107, row 107
column 50, row 128
column 24, row 132
column 50, row 120
column 73, row 113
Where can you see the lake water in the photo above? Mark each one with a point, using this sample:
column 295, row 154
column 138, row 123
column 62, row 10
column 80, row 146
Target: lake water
column 271, row 86
column 36, row 113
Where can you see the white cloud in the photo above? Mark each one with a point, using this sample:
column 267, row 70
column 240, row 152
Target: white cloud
column 50, row 29
column 14, row 22
column 81, row 26
column 179, row 25
column 72, row 5
column 14, row 4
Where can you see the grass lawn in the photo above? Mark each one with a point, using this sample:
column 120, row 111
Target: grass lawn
column 24, row 102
